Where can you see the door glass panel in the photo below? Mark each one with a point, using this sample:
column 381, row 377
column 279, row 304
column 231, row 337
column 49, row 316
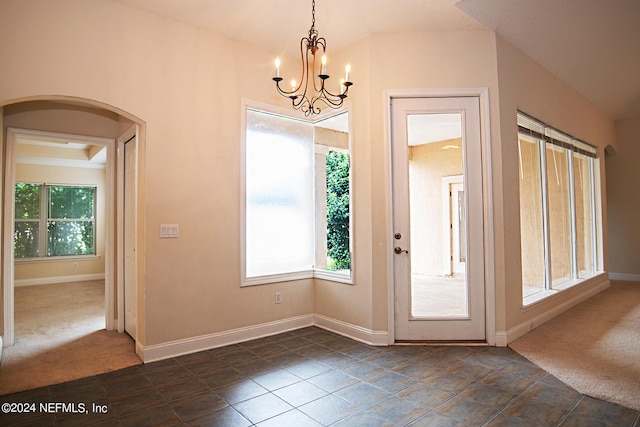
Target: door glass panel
column 438, row 254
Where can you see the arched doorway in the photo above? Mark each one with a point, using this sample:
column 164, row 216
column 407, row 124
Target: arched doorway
column 108, row 130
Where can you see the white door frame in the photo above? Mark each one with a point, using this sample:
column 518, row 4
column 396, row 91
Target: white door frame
column 9, row 218
column 132, row 132
column 487, row 189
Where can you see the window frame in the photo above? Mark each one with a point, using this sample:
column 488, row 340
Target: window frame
column 44, row 220
column 546, row 136
column 313, row 272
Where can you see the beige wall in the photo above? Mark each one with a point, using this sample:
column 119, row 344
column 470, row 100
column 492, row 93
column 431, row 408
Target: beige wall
column 623, row 200
column 185, row 86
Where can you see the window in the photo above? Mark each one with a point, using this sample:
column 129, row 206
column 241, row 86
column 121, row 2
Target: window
column 557, row 209
column 297, row 199
column 54, row 220
column 333, row 197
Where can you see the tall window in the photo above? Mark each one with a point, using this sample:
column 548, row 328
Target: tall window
column 297, row 199
column 54, row 220
column 557, row 209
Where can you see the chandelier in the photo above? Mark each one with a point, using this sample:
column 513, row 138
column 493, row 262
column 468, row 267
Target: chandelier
column 298, row 93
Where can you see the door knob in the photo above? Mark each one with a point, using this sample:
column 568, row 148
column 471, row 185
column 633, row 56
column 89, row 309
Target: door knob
column 399, row 250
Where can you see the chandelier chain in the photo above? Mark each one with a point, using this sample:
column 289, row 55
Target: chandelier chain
column 312, row 31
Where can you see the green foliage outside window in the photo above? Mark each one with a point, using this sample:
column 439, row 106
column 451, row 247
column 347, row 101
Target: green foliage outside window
column 338, row 211
column 27, row 215
column 69, row 220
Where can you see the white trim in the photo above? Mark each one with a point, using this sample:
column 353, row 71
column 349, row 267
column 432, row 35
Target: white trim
column 58, row 279
column 65, row 163
column 175, row 348
column 624, row 277
column 358, row 333
column 277, row 278
column 333, row 276
column 8, row 230
column 204, row 342
column 504, row 338
column 489, row 232
column 117, row 313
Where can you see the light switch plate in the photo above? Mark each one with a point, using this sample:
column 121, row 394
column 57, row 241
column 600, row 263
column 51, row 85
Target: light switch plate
column 168, row 231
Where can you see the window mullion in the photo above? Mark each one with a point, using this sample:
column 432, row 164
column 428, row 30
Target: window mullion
column 594, row 233
column 545, row 214
column 572, row 214
column 43, row 235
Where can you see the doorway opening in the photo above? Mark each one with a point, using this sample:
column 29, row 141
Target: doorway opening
column 439, row 258
column 65, row 152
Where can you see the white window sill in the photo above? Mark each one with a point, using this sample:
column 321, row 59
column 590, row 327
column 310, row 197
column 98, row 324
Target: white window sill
column 57, row 259
column 331, row 276
column 531, row 300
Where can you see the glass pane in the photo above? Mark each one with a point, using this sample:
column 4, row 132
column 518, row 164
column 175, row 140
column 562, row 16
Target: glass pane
column 332, row 198
column 583, row 190
column 25, row 239
column 438, row 229
column 71, row 202
column 27, row 198
column 531, row 219
column 70, row 238
column 337, row 170
column 559, row 213
column 279, row 195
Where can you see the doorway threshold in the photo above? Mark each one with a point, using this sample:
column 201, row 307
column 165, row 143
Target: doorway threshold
column 478, row 343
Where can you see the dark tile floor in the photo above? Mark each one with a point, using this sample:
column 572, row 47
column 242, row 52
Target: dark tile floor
column 312, row 377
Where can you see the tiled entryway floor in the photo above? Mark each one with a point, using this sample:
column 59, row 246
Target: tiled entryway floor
column 311, row 377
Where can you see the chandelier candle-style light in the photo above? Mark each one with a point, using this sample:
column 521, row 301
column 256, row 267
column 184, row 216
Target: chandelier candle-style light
column 299, row 99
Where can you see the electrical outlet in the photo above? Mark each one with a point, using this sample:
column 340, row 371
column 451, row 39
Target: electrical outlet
column 278, row 297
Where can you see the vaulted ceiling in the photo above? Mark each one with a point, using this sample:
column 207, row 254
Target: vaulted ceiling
column 592, row 45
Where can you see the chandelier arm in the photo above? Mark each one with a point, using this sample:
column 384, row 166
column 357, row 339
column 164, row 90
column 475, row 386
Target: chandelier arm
column 329, row 103
column 341, row 95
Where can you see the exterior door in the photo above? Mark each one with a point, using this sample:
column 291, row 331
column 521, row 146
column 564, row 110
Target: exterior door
column 439, row 294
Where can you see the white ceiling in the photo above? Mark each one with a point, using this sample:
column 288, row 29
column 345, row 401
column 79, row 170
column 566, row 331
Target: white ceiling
column 592, row 45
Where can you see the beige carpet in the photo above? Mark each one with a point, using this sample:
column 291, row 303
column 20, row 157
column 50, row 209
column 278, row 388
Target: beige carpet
column 595, row 346
column 60, row 336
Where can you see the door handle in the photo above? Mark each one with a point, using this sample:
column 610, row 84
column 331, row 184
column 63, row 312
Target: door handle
column 399, row 250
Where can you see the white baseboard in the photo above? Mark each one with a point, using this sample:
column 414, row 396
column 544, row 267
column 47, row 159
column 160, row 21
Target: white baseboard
column 156, row 352
column 503, row 338
column 58, row 279
column 205, row 342
column 624, row 277
column 358, row 333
